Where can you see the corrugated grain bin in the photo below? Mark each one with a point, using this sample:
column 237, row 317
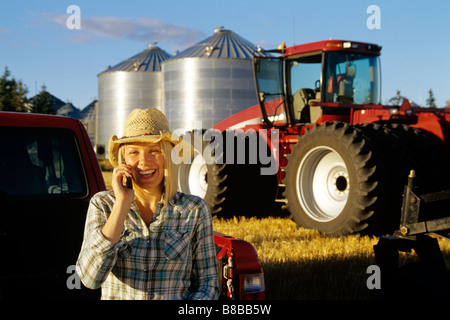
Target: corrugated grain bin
column 209, row 81
column 133, row 83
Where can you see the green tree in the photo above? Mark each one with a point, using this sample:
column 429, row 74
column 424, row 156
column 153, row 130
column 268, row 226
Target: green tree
column 12, row 93
column 42, row 102
column 431, row 101
column 397, row 100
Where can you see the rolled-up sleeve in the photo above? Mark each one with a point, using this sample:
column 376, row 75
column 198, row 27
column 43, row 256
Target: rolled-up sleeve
column 204, row 264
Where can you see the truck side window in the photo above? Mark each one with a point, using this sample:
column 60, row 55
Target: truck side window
column 36, row 161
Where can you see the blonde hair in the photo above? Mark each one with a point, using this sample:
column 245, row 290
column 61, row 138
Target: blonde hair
column 170, row 181
column 170, row 172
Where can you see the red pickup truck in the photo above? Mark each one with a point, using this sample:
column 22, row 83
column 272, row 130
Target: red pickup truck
column 48, row 173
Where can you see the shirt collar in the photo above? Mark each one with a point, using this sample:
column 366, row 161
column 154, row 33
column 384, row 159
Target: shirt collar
column 181, row 201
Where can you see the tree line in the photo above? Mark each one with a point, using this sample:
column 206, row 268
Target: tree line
column 13, row 96
column 397, row 100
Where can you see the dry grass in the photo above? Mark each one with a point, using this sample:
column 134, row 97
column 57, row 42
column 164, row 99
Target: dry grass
column 279, row 240
column 303, row 264
column 107, row 176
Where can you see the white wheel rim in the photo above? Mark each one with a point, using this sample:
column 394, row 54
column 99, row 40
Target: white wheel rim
column 197, row 176
column 322, row 184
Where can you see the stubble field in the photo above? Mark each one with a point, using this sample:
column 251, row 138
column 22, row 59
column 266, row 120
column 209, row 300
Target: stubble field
column 303, row 264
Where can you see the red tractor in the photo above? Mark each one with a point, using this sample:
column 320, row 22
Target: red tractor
column 323, row 142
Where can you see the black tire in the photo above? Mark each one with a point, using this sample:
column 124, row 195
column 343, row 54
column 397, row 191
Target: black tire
column 426, row 156
column 390, row 157
column 232, row 189
column 201, row 177
column 339, row 181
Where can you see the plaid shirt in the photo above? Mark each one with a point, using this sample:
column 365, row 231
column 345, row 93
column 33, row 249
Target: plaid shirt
column 174, row 258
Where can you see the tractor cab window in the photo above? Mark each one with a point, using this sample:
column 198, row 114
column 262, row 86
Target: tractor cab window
column 351, row 78
column 269, row 75
column 304, row 75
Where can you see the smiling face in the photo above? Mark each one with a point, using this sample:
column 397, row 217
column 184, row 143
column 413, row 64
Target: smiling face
column 147, row 164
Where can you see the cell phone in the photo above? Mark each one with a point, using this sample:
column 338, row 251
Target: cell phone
column 129, row 184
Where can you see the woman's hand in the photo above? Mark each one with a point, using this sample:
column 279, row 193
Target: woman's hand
column 121, row 192
column 124, row 198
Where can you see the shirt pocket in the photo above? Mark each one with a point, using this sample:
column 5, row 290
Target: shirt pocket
column 175, row 244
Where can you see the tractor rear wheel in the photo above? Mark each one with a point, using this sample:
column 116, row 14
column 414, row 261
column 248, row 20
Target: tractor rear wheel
column 202, row 177
column 335, row 181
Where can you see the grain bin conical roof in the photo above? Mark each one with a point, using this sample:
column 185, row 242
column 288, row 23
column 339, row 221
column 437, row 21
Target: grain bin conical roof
column 149, row 60
column 222, row 44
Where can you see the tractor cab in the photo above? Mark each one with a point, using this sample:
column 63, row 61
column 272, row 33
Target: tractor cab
column 334, row 72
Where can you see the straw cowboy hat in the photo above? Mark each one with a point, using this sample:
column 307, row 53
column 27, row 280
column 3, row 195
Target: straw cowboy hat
column 143, row 125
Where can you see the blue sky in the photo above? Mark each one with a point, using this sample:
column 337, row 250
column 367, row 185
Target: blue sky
column 39, row 49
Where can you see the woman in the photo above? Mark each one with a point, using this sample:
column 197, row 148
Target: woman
column 148, row 241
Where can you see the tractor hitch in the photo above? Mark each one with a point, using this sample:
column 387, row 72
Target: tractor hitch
column 428, row 278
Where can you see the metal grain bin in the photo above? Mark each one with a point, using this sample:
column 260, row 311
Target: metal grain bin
column 209, row 81
column 133, row 83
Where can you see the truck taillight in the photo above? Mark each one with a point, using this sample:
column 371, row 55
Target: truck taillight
column 253, row 283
